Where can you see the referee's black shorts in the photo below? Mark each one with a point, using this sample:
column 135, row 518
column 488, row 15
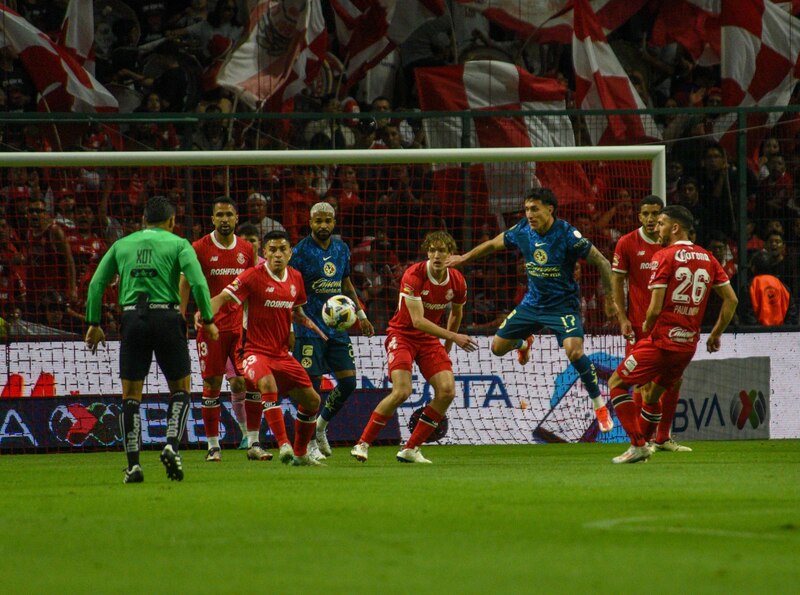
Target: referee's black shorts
column 162, row 332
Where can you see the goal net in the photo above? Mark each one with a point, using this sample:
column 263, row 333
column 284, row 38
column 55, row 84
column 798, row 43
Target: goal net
column 65, row 209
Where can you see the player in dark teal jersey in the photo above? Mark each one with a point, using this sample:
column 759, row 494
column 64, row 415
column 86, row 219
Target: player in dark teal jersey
column 551, row 248
column 149, row 264
column 324, row 262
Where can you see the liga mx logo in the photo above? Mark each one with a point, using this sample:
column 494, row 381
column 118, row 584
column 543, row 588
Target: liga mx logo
column 748, row 406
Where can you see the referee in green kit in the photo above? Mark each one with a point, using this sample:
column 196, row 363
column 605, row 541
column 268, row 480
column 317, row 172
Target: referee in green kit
column 149, row 263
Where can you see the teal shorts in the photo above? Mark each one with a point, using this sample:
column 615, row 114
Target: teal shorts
column 523, row 321
column 320, row 357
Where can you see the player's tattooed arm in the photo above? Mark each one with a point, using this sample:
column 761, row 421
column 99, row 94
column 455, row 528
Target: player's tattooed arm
column 299, row 317
column 595, row 258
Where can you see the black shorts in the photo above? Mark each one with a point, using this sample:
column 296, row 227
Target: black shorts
column 162, row 332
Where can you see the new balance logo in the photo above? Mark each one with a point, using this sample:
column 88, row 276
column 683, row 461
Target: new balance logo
column 269, row 289
column 640, row 253
column 214, row 258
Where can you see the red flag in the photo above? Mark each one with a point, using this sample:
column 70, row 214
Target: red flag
column 486, row 85
column 367, row 30
column 77, row 32
column 281, row 54
column 695, row 24
column 601, row 83
column 62, row 83
column 760, row 52
column 551, row 22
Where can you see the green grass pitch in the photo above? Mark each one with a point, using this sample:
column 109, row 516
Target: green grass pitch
column 487, row 519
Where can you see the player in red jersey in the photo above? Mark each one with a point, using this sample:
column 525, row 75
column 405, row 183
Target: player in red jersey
column 682, row 275
column 427, row 289
column 274, row 293
column 223, row 256
column 633, row 257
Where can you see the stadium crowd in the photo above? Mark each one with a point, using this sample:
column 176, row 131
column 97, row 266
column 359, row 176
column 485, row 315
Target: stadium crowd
column 160, row 57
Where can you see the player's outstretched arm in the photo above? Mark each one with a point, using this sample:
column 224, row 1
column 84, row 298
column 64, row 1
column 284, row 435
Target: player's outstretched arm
column 726, row 312
column 480, row 251
column 596, row 258
column 299, row 317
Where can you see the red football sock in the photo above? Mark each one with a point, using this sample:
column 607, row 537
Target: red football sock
column 423, row 429
column 252, row 411
column 274, row 416
column 651, row 416
column 305, row 424
column 210, row 412
column 637, row 398
column 374, row 426
column 628, row 414
column 669, row 403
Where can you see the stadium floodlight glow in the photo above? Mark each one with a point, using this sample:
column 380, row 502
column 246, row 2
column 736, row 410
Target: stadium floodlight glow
column 656, row 154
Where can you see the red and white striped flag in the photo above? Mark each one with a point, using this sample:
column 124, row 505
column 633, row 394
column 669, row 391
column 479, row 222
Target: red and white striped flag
column 551, row 21
column 77, row 32
column 695, row 24
column 281, row 54
column 367, row 30
column 487, row 85
column 601, row 83
column 62, row 83
column 760, row 67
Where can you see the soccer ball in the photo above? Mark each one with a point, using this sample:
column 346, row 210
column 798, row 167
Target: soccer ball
column 339, row 312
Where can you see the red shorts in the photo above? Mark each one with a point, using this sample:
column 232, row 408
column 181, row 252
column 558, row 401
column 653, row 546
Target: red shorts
column 214, row 355
column 288, row 372
column 639, row 337
column 430, row 356
column 648, row 363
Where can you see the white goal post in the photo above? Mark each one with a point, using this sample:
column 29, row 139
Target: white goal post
column 656, row 154
column 496, row 400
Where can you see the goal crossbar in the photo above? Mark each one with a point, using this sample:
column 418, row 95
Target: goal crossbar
column 656, row 154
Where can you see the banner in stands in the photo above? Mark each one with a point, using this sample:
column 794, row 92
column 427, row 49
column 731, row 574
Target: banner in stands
column 64, row 423
column 497, row 401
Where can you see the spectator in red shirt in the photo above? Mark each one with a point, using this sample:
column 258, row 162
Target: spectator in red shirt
column 297, row 201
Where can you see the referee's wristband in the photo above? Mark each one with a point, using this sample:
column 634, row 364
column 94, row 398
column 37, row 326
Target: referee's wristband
column 361, row 315
column 208, row 320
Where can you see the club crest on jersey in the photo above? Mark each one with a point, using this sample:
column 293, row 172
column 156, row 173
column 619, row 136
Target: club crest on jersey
column 540, row 256
column 449, row 295
column 293, row 290
column 329, row 269
column 240, row 258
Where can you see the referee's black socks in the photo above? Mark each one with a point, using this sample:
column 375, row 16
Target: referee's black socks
column 131, row 430
column 177, row 413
